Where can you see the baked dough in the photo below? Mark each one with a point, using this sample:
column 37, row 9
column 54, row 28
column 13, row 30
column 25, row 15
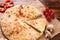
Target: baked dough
column 14, row 26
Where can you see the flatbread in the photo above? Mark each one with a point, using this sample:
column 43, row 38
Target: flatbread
column 14, row 24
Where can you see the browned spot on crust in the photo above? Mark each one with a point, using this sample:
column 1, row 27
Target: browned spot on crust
column 11, row 33
column 7, row 12
column 27, row 16
column 21, row 6
column 17, row 23
column 17, row 32
column 17, row 15
column 24, row 28
column 11, row 11
column 9, row 15
column 23, row 16
column 20, row 13
column 27, row 6
column 15, row 19
column 29, row 33
column 36, row 23
column 1, row 18
column 32, row 12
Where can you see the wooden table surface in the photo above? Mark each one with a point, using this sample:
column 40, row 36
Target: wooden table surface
column 55, row 22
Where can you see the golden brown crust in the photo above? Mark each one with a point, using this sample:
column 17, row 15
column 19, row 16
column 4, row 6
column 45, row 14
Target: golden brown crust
column 15, row 28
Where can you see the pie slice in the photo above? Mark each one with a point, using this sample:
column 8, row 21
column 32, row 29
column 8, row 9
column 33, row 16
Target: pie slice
column 39, row 23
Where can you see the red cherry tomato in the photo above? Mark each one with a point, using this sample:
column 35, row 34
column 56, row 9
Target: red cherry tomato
column 10, row 4
column 48, row 14
column 52, row 15
column 44, row 12
column 2, row 8
column 47, row 9
column 6, row 5
column 48, row 18
column 50, row 11
column 7, row 1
